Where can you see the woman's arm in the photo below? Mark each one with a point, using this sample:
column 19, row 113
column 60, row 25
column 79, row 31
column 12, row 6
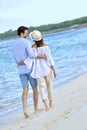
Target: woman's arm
column 54, row 71
column 51, row 62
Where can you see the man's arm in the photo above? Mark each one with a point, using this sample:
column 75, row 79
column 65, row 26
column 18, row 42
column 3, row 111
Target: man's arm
column 39, row 56
column 32, row 54
column 26, row 60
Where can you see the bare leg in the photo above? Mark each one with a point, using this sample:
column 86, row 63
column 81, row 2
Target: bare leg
column 24, row 101
column 35, row 98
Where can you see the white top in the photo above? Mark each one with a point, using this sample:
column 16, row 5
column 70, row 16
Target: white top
column 41, row 67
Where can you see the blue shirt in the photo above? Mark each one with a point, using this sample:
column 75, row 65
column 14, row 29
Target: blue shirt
column 21, row 50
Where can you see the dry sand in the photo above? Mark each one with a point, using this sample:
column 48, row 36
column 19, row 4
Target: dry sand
column 68, row 113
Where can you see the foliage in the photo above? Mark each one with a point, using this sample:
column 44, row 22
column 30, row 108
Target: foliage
column 43, row 28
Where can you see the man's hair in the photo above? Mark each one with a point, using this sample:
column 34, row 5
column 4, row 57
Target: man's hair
column 21, row 29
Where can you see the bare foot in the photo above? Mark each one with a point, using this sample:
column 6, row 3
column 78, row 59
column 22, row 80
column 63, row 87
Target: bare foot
column 26, row 114
column 46, row 105
column 38, row 110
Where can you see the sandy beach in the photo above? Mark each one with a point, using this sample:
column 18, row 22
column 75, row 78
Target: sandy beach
column 69, row 111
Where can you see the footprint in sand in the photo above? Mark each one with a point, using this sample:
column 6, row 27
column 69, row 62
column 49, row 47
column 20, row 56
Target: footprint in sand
column 49, row 124
column 27, row 125
column 66, row 113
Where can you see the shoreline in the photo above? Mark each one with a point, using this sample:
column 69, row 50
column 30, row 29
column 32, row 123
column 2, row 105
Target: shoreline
column 75, row 26
column 70, row 109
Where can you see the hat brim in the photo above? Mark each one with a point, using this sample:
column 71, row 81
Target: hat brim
column 30, row 35
column 34, row 39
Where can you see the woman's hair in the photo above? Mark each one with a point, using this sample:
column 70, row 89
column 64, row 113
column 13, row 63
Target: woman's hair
column 39, row 43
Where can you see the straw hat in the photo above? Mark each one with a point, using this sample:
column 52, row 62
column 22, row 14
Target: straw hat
column 35, row 35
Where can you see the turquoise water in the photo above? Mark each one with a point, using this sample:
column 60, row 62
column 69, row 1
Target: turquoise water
column 69, row 51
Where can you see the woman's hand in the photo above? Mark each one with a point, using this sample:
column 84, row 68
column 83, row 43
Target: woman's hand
column 55, row 74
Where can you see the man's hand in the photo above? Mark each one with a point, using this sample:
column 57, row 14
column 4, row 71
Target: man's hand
column 39, row 56
column 45, row 57
column 20, row 63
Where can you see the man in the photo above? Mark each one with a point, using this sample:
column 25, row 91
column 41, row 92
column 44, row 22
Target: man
column 21, row 50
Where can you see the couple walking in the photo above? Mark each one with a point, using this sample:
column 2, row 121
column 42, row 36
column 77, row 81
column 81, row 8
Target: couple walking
column 35, row 65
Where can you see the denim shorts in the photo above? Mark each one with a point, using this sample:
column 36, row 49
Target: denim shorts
column 26, row 79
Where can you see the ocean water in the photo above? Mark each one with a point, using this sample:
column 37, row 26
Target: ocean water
column 69, row 51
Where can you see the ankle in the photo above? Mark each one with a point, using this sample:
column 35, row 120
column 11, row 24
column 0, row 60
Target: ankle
column 46, row 105
column 25, row 109
column 51, row 103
